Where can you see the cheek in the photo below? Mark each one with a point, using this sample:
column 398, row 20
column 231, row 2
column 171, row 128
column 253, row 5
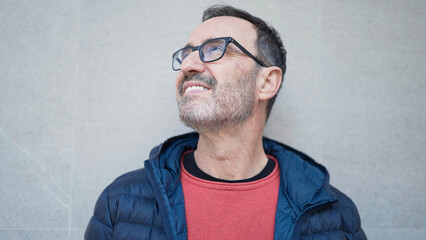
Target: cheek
column 241, row 67
column 225, row 71
column 178, row 81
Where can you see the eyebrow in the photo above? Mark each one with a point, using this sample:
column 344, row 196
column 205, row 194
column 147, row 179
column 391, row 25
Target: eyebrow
column 204, row 40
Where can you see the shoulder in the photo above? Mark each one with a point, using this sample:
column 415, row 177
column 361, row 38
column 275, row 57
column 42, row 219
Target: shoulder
column 340, row 219
column 127, row 205
column 133, row 185
column 123, row 195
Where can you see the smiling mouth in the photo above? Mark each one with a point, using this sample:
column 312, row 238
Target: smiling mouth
column 197, row 83
column 195, row 89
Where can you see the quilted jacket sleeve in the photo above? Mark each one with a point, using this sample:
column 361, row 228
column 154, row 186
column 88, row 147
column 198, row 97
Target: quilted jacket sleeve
column 339, row 221
column 100, row 225
column 360, row 235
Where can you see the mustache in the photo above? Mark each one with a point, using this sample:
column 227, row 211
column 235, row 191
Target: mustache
column 207, row 80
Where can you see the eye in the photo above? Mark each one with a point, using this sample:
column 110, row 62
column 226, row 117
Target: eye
column 213, row 50
column 185, row 52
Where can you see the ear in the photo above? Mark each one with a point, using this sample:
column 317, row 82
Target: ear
column 272, row 78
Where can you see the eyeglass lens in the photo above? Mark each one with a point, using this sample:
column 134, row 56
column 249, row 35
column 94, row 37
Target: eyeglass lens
column 210, row 51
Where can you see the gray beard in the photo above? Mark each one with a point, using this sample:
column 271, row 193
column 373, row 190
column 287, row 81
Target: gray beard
column 230, row 104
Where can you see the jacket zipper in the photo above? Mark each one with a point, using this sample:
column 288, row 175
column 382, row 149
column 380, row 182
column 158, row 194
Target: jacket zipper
column 161, row 202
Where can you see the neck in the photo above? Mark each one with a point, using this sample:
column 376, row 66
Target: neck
column 233, row 153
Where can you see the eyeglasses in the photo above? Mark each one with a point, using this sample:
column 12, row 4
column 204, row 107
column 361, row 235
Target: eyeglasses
column 210, row 51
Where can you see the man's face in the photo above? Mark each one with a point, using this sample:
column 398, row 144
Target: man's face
column 220, row 94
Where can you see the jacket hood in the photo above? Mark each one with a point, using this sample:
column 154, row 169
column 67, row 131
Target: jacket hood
column 305, row 182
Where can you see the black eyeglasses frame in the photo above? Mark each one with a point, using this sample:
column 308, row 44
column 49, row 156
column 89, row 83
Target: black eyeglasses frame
column 227, row 41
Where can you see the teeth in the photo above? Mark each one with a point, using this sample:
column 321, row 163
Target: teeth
column 195, row 88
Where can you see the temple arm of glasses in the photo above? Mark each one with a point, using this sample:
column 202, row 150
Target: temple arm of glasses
column 248, row 53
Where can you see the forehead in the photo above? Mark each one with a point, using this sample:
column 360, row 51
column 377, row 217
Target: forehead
column 241, row 30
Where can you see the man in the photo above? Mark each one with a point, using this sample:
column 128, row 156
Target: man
column 226, row 181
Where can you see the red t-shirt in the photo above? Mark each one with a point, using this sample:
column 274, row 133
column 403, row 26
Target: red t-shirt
column 218, row 210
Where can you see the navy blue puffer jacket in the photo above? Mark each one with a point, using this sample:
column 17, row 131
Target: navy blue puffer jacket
column 149, row 203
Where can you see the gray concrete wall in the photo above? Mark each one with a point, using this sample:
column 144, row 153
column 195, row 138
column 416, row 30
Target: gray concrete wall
column 86, row 89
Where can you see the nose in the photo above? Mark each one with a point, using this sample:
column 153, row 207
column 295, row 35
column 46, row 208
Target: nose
column 192, row 64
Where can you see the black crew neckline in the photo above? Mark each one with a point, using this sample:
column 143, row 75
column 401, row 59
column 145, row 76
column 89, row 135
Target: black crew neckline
column 192, row 168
